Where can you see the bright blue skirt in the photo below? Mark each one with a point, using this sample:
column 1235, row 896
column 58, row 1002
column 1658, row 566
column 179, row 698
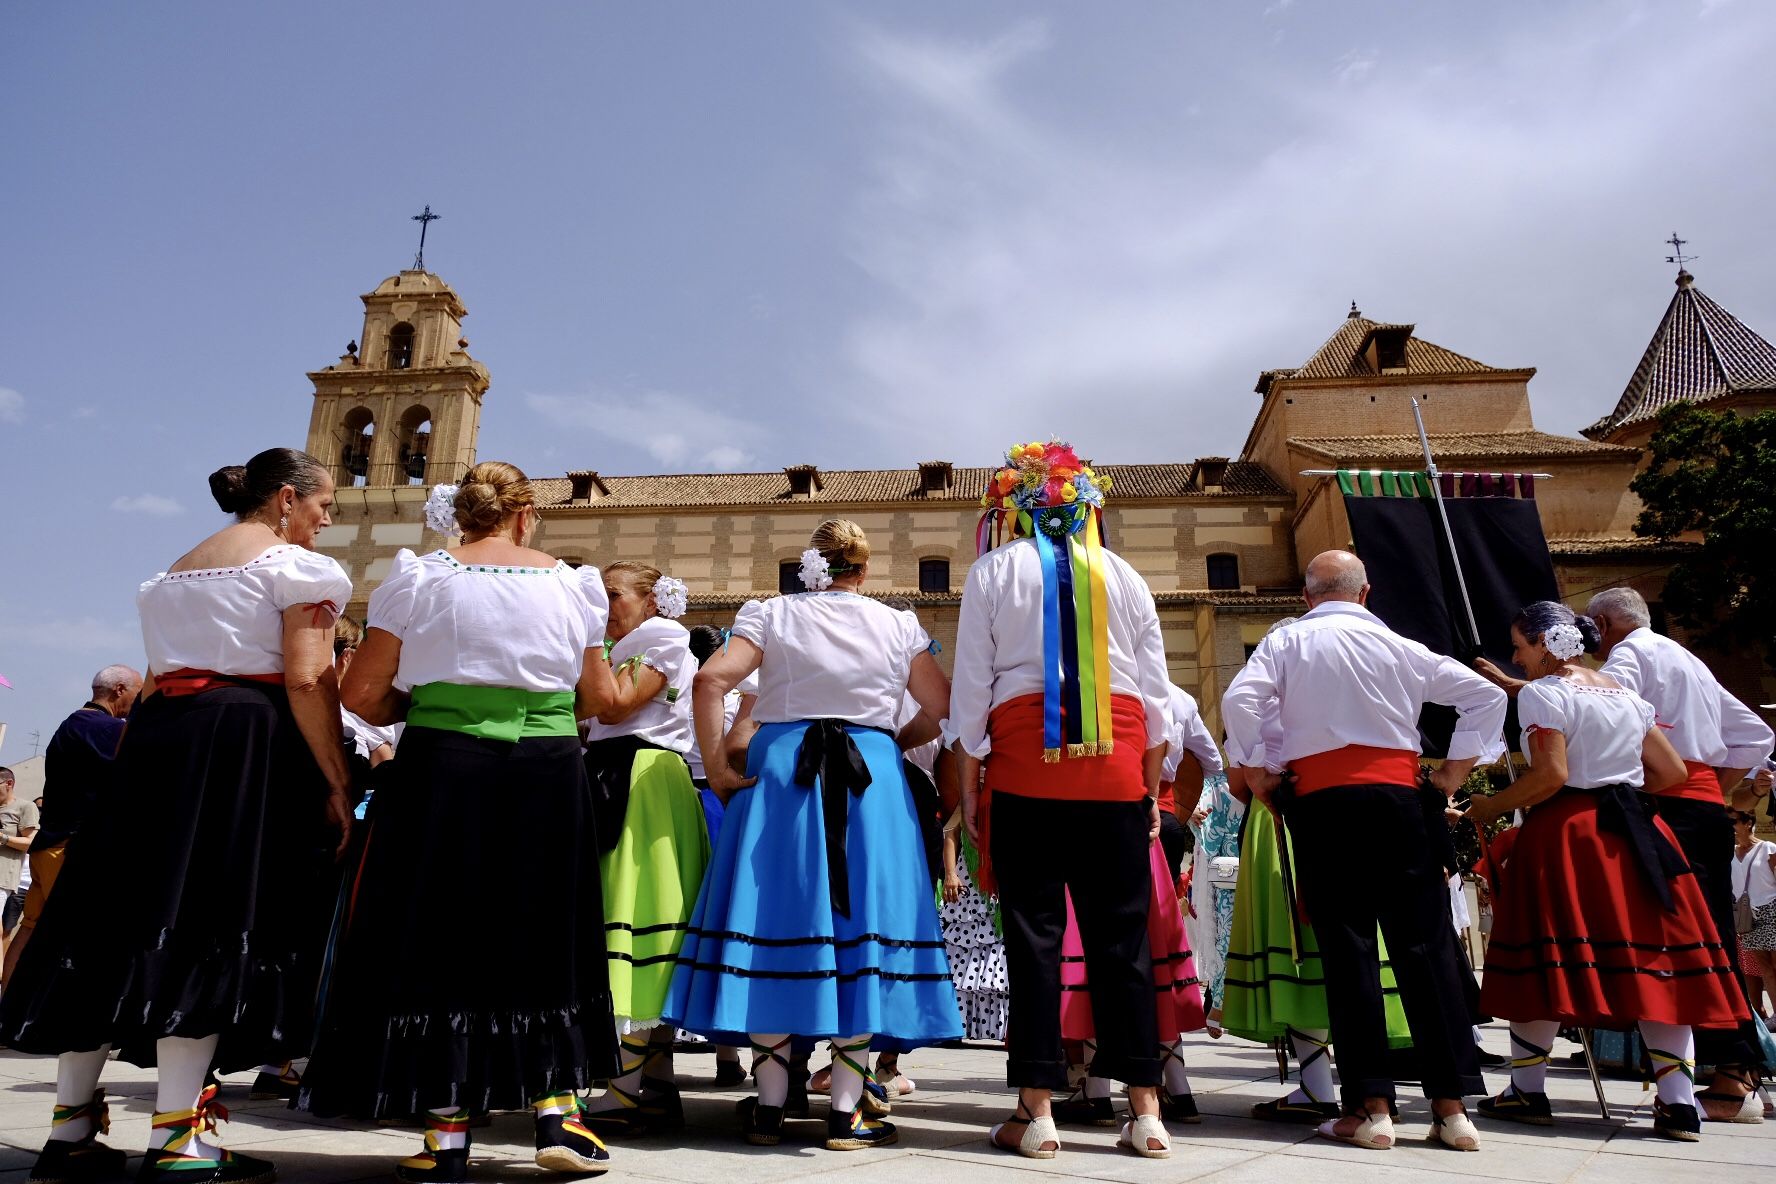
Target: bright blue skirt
column 767, row 952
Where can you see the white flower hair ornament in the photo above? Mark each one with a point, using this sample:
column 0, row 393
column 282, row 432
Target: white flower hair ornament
column 816, row 571
column 671, row 597
column 440, row 510
column 1564, row 641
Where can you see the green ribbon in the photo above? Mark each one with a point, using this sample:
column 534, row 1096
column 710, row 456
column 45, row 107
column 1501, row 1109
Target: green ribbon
column 493, row 713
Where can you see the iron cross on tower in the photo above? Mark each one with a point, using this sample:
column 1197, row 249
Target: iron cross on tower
column 424, row 220
column 1678, row 257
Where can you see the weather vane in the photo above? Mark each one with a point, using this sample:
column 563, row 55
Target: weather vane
column 424, row 220
column 1678, row 257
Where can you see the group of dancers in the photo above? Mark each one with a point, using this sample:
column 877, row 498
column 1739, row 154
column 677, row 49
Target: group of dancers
column 600, row 831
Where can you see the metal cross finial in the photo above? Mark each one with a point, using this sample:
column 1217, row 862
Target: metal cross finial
column 424, row 220
column 1678, row 257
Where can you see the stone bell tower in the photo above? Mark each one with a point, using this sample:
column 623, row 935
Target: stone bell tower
column 402, row 406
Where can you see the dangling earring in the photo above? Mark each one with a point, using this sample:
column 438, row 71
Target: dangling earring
column 283, row 523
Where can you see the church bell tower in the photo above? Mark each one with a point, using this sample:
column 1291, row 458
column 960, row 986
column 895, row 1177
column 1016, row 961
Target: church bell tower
column 402, row 406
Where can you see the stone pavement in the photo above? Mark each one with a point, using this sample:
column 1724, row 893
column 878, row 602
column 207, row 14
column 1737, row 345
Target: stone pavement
column 943, row 1128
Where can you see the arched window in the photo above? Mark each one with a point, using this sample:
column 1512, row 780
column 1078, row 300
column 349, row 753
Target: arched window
column 789, row 576
column 934, row 575
column 354, row 452
column 400, row 355
column 1224, row 571
column 416, row 444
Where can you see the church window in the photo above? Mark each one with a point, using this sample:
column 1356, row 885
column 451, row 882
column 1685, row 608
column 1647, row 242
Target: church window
column 934, row 575
column 789, row 576
column 354, row 450
column 400, row 355
column 1224, row 571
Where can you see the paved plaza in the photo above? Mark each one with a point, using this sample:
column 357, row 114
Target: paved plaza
column 942, row 1135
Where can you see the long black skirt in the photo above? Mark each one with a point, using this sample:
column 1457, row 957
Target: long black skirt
column 187, row 904
column 470, row 969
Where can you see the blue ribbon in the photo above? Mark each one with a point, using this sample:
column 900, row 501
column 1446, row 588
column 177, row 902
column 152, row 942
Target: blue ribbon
column 1051, row 644
column 1072, row 718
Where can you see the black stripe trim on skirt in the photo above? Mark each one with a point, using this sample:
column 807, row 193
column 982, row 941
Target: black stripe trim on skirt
column 848, row 976
column 645, row 930
column 751, row 940
column 1291, row 979
column 1539, row 966
column 619, row 956
column 1076, row 959
column 1606, row 945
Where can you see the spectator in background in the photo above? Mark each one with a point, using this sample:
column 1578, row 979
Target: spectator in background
column 18, row 822
column 76, row 766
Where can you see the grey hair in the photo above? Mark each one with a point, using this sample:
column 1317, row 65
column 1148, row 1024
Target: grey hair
column 1621, row 604
column 113, row 678
column 1350, row 579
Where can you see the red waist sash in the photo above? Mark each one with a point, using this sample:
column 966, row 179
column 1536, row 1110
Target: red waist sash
column 1015, row 764
column 1355, row 764
column 187, row 681
column 1168, row 804
column 1702, row 785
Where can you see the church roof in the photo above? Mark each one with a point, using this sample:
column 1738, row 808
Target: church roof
column 1699, row 352
column 1348, row 354
column 1451, row 447
column 887, row 486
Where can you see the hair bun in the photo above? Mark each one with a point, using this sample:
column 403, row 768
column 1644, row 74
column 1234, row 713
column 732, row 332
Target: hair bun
column 1593, row 637
column 478, row 507
column 228, row 485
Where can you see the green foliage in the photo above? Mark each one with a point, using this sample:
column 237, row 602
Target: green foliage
column 1714, row 472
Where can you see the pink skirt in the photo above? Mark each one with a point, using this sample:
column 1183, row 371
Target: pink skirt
column 1177, row 995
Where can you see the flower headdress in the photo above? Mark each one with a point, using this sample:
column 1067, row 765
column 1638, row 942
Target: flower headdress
column 671, row 597
column 818, row 570
column 1564, row 641
column 1048, row 494
column 440, row 510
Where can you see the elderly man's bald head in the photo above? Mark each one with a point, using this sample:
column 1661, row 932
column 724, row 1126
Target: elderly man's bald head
column 114, row 688
column 1336, row 575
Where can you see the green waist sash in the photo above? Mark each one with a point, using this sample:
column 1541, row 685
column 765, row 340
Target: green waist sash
column 493, row 713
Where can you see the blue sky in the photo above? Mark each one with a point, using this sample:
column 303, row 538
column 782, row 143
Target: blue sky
column 747, row 235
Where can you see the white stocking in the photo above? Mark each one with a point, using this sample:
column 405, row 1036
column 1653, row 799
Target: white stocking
column 77, row 1080
column 1672, row 1049
column 184, row 1071
column 1531, row 1043
column 850, row 1065
column 770, row 1067
column 1313, row 1053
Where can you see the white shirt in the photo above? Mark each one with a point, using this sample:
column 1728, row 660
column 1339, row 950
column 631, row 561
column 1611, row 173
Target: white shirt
column 1754, row 867
column 1186, row 732
column 730, row 709
column 490, row 626
column 231, row 619
column 366, row 738
column 1703, row 722
column 1339, row 676
column 924, row 755
column 1604, row 727
column 663, row 645
column 831, row 655
column 999, row 642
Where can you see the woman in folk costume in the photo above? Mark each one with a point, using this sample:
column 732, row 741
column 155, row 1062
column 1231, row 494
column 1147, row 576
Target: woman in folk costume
column 657, row 840
column 490, row 651
column 1599, row 921
column 1060, row 689
column 972, row 938
column 839, row 938
column 237, row 787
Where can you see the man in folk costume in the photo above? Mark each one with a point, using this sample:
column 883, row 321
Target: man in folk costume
column 1326, row 712
column 1720, row 739
column 1060, row 691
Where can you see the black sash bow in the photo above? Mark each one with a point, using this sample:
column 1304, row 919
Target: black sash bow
column 1626, row 811
column 828, row 753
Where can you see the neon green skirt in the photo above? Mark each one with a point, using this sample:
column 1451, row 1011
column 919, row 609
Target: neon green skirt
column 651, row 878
column 1267, row 991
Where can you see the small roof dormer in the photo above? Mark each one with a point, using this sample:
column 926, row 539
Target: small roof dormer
column 804, row 480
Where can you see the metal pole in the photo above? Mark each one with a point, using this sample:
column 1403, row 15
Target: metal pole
column 1448, row 535
column 1591, row 1064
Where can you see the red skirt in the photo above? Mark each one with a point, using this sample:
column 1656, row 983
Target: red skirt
column 1177, row 995
column 1580, row 935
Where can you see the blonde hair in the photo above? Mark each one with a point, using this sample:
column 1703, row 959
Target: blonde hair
column 641, row 576
column 842, row 543
column 347, row 633
column 491, row 492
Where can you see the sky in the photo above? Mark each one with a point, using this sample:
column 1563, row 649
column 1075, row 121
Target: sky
column 740, row 236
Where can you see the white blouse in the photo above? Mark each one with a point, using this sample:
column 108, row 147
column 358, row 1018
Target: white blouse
column 663, row 645
column 999, row 642
column 1186, row 732
column 231, row 619
column 831, row 655
column 488, row 625
column 1752, row 870
column 1604, row 728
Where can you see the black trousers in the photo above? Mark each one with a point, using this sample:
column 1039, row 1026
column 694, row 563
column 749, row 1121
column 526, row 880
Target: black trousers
column 1705, row 832
column 1174, row 839
column 1097, row 853
column 1366, row 859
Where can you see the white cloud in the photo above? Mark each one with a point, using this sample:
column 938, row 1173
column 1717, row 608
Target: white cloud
column 1354, row 65
column 671, row 431
column 12, row 406
column 152, row 504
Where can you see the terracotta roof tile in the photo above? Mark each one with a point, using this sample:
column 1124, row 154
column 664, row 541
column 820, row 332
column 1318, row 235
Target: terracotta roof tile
column 1342, row 356
column 1458, row 446
column 1699, row 352
column 883, row 485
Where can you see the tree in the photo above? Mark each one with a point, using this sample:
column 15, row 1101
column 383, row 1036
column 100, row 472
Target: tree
column 1714, row 473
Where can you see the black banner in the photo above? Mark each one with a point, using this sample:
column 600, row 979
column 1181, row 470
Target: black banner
column 1413, row 586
